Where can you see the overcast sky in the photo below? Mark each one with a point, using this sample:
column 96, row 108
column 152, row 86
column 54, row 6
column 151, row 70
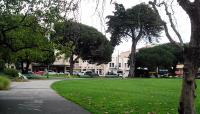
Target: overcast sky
column 88, row 16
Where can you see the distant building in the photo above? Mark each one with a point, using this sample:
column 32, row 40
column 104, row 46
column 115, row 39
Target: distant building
column 179, row 70
column 119, row 63
column 60, row 65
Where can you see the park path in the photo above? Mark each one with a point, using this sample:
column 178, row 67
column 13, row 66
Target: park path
column 36, row 97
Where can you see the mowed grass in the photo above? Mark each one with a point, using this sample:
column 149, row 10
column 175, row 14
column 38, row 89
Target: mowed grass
column 124, row 96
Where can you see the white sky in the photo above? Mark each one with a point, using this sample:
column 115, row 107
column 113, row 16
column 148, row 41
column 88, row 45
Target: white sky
column 89, row 17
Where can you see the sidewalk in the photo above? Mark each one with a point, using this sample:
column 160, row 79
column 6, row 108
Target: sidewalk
column 36, row 97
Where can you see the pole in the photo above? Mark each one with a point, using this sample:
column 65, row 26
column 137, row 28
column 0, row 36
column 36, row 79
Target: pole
column 118, row 63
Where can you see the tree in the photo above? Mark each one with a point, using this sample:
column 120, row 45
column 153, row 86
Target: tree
column 22, row 36
column 40, row 49
column 85, row 42
column 5, row 57
column 139, row 22
column 16, row 14
column 162, row 56
column 27, row 44
column 9, row 38
column 33, row 55
column 43, row 54
column 191, row 52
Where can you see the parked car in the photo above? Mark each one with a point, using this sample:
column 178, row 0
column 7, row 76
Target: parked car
column 29, row 73
column 67, row 73
column 91, row 74
column 51, row 72
column 75, row 73
column 32, row 75
column 197, row 75
column 81, row 73
column 111, row 75
column 40, row 73
column 120, row 73
column 163, row 73
column 60, row 73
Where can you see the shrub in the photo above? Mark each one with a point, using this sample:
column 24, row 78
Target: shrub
column 11, row 72
column 4, row 83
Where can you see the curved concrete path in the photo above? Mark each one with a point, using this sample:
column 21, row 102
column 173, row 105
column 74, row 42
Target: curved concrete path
column 36, row 97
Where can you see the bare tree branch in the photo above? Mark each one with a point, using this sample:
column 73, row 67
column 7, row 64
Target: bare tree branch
column 139, row 34
column 168, row 35
column 97, row 5
column 21, row 21
column 128, row 34
column 154, row 5
column 172, row 24
column 76, row 58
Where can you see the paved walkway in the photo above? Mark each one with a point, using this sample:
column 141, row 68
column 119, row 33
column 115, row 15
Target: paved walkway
column 36, row 97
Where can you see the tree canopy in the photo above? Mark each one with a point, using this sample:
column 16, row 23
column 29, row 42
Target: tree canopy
column 42, row 50
column 162, row 56
column 86, row 42
column 23, row 14
column 138, row 23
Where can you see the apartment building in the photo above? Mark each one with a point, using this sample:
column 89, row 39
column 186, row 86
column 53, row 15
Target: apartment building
column 84, row 65
column 119, row 63
column 60, row 65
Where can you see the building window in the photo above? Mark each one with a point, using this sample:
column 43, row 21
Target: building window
column 111, row 64
column 84, row 61
column 119, row 64
column 125, row 65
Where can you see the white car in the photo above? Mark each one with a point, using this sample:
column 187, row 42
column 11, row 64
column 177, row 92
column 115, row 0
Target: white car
column 51, row 72
column 75, row 73
column 81, row 73
column 67, row 73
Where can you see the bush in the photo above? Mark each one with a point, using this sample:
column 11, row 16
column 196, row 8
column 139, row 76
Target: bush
column 4, row 83
column 11, row 72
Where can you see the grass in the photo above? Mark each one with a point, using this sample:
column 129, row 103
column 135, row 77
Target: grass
column 123, row 96
column 61, row 76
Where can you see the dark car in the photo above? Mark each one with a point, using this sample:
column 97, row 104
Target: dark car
column 91, row 74
column 111, row 75
column 163, row 73
column 197, row 75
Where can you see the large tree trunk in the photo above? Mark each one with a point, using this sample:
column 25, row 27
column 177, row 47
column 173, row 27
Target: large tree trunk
column 187, row 99
column 71, row 61
column 22, row 66
column 132, row 59
column 27, row 66
column 191, row 62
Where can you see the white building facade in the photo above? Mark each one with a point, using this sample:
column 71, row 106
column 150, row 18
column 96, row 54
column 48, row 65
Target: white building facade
column 118, row 63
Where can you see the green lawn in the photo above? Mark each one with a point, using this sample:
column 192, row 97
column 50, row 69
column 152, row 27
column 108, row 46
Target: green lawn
column 123, row 96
